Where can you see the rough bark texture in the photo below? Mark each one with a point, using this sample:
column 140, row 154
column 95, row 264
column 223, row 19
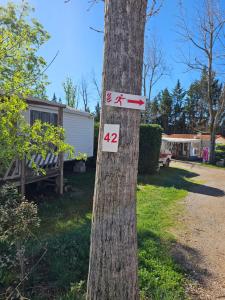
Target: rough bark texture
column 113, row 254
column 212, row 144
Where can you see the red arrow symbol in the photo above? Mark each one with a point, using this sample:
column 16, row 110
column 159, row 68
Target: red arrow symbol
column 140, row 102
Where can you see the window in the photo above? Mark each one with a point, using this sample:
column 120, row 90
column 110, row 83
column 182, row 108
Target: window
column 51, row 118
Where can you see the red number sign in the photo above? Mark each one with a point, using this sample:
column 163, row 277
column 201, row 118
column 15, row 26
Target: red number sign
column 110, row 138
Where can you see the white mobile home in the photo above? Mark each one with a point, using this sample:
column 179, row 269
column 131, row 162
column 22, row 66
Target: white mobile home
column 78, row 125
column 79, row 131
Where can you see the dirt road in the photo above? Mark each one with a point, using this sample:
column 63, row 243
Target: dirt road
column 201, row 238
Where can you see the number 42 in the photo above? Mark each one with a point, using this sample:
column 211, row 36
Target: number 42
column 111, row 137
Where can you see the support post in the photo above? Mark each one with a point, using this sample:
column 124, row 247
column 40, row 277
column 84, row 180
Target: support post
column 61, row 156
column 22, row 178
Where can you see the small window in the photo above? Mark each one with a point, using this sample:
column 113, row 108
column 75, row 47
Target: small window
column 51, row 118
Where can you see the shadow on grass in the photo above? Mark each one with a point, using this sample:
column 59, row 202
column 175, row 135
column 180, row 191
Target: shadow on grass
column 189, row 259
column 180, row 179
column 163, row 264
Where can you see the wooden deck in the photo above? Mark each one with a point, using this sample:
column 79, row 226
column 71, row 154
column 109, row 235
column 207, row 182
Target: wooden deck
column 21, row 172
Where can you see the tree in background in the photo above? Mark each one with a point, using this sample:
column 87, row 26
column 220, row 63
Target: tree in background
column 154, row 68
column 54, row 98
column 99, row 94
column 152, row 111
column 196, row 109
column 166, row 110
column 20, row 39
column 97, row 112
column 96, row 85
column 178, row 111
column 84, row 94
column 71, row 93
column 207, row 39
column 22, row 75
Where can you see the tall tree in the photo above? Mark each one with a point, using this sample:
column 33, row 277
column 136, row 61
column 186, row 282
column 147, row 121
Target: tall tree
column 178, row 111
column 155, row 109
column 196, row 109
column 197, row 112
column 71, row 92
column 207, row 39
column 54, row 98
column 84, row 94
column 20, row 39
column 152, row 111
column 166, row 110
column 154, row 67
column 113, row 252
column 99, row 97
column 97, row 87
column 97, row 112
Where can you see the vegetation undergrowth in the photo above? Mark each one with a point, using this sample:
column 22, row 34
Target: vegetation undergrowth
column 65, row 231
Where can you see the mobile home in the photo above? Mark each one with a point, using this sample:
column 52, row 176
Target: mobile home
column 189, row 146
column 79, row 131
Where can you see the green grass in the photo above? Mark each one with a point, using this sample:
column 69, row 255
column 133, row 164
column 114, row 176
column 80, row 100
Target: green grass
column 65, row 231
column 211, row 166
column 160, row 277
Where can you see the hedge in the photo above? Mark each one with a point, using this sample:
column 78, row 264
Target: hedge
column 220, row 152
column 150, row 142
column 149, row 148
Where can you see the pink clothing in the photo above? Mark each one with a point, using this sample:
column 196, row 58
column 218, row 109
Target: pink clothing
column 205, row 154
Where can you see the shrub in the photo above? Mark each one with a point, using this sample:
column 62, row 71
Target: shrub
column 149, row 148
column 150, row 142
column 18, row 218
column 220, row 152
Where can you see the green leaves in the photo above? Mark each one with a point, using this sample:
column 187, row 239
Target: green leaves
column 20, row 39
column 17, row 218
column 21, row 75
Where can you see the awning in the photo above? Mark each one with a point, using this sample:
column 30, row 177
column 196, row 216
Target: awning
column 180, row 140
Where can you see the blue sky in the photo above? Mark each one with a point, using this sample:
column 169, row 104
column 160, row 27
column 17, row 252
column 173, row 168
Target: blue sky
column 81, row 49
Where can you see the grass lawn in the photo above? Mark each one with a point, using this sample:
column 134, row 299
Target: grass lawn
column 65, row 232
column 211, row 166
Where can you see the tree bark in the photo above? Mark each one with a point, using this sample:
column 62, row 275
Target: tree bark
column 212, row 144
column 113, row 252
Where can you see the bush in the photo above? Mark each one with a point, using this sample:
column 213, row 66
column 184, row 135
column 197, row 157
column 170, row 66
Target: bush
column 150, row 142
column 18, row 219
column 220, row 152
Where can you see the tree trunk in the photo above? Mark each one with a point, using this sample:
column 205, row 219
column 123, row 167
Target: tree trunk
column 113, row 253
column 212, row 144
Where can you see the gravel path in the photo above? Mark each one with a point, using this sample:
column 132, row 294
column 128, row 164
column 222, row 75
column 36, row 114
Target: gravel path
column 201, row 239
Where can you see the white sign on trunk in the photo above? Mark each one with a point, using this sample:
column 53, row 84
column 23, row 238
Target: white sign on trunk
column 125, row 100
column 110, row 138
